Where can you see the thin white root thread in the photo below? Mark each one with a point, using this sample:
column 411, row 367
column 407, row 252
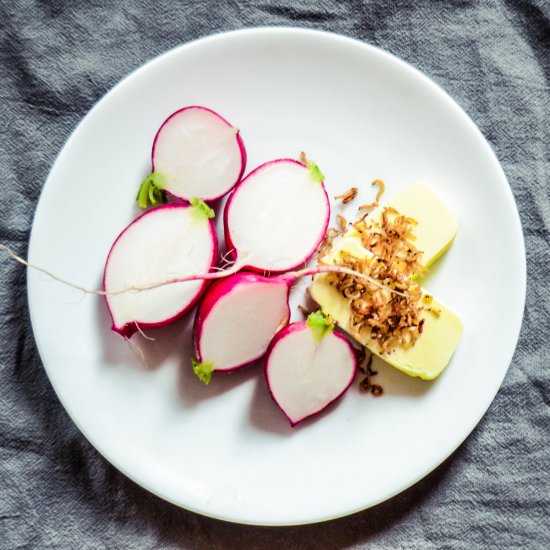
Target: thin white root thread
column 136, row 351
column 317, row 270
column 24, row 262
column 140, row 330
column 292, row 276
column 226, row 259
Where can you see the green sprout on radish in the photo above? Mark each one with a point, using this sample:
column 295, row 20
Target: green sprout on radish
column 151, row 191
column 320, row 324
column 203, row 371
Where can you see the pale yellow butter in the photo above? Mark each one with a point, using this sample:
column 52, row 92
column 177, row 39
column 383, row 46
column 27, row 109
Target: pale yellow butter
column 436, row 225
column 434, row 233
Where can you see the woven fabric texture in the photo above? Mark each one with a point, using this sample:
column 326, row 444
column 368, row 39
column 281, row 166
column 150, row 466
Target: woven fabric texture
column 58, row 58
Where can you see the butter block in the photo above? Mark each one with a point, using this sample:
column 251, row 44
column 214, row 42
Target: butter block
column 433, row 348
column 436, row 228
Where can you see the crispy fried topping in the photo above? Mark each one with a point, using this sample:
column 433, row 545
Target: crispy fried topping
column 326, row 243
column 390, row 314
column 391, row 240
column 434, row 311
column 381, row 188
column 388, row 318
column 368, row 206
column 348, row 196
column 365, row 365
column 342, row 221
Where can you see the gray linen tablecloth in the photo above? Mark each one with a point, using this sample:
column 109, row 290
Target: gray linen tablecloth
column 58, row 58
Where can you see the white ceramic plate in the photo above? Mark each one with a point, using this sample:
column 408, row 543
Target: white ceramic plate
column 225, row 450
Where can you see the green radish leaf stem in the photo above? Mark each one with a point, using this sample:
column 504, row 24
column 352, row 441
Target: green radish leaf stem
column 201, row 210
column 315, row 172
column 151, row 191
column 203, row 371
column 319, row 324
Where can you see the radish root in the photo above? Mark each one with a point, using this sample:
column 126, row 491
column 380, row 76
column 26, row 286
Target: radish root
column 53, row 276
column 290, row 276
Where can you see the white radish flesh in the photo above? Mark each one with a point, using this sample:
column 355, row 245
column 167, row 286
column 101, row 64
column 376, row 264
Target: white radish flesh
column 197, row 153
column 167, row 241
column 236, row 320
column 277, row 216
column 306, row 373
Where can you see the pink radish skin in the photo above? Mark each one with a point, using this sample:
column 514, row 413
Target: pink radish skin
column 236, row 320
column 277, row 216
column 159, row 243
column 198, row 154
column 305, row 375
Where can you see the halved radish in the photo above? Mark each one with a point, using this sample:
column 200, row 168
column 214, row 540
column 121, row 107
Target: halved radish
column 274, row 220
column 308, row 367
column 237, row 318
column 277, row 216
column 165, row 242
column 196, row 153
